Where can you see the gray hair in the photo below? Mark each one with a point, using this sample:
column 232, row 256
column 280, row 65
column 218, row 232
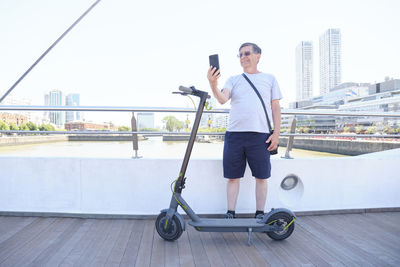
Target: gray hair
column 256, row 48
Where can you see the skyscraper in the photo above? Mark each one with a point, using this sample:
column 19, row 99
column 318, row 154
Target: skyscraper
column 330, row 68
column 145, row 120
column 56, row 99
column 72, row 100
column 304, row 70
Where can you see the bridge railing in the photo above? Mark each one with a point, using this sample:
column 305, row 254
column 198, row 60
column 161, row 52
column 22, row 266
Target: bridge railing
column 132, row 109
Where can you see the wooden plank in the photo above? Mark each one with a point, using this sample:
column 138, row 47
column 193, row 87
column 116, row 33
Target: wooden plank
column 331, row 248
column 364, row 249
column 77, row 240
column 237, row 250
column 198, row 251
column 98, row 239
column 251, row 252
column 368, row 237
column 171, row 254
column 158, row 251
column 386, row 227
column 146, row 244
column 132, row 248
column 12, row 225
column 185, row 253
column 211, row 250
column 108, row 242
column 26, row 254
column 278, row 250
column 121, row 242
column 368, row 240
column 58, row 242
column 316, row 252
column 380, row 228
column 357, row 255
column 295, row 251
column 224, row 250
column 25, row 235
column 269, row 256
column 82, row 247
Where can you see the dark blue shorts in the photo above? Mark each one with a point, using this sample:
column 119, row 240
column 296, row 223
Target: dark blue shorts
column 250, row 146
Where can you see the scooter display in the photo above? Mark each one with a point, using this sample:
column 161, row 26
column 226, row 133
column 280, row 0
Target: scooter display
column 278, row 224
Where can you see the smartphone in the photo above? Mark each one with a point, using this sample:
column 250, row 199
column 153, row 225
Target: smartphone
column 214, row 61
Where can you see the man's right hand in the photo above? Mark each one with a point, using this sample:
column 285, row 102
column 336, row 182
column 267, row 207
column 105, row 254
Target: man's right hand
column 213, row 76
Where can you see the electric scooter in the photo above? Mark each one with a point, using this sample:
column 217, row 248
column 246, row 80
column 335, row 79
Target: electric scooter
column 278, row 224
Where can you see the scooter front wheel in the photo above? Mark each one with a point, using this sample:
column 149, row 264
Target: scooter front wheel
column 174, row 231
column 281, row 219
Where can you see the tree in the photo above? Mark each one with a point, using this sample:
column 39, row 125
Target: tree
column 13, row 127
column 46, row 128
column 359, row 129
column 4, row 126
column 23, row 127
column 32, row 126
column 172, row 123
column 150, row 129
column 371, row 130
column 124, row 129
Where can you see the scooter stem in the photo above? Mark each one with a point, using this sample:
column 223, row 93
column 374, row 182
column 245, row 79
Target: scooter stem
column 180, row 183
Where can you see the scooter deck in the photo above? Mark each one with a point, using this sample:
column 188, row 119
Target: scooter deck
column 228, row 225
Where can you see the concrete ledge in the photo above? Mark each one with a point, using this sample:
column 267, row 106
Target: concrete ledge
column 344, row 147
column 142, row 187
column 35, row 139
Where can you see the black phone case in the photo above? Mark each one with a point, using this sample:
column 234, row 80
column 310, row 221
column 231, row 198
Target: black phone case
column 214, row 61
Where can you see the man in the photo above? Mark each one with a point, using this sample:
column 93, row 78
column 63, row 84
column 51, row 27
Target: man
column 248, row 132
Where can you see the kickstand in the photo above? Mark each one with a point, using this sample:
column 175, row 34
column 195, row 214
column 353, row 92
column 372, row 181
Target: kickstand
column 249, row 237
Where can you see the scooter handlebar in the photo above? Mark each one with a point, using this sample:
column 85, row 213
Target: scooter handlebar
column 186, row 89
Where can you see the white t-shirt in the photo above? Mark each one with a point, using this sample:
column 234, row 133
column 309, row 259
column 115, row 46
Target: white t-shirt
column 247, row 113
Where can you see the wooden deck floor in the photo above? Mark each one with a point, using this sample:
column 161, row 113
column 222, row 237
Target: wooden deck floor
column 370, row 239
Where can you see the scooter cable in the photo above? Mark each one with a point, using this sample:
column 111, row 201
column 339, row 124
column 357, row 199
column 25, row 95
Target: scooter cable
column 173, row 193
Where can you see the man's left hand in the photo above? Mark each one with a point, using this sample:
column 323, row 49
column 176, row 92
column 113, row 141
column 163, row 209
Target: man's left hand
column 274, row 139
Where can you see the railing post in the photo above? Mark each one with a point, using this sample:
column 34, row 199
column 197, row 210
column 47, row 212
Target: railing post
column 289, row 145
column 134, row 137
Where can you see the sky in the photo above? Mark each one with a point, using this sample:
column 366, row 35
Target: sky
column 135, row 53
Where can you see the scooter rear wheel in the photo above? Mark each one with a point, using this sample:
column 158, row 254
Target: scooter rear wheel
column 174, row 231
column 281, row 219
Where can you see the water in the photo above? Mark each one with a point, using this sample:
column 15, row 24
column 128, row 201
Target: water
column 154, row 147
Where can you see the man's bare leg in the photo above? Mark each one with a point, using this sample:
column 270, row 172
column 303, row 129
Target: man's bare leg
column 261, row 193
column 232, row 192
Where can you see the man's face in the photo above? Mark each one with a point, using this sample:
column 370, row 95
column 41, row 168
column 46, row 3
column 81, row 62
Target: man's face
column 248, row 57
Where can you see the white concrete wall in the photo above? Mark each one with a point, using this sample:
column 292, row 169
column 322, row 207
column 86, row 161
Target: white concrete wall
column 142, row 186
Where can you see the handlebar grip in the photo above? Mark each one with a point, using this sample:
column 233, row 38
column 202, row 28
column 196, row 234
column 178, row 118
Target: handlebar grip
column 186, row 89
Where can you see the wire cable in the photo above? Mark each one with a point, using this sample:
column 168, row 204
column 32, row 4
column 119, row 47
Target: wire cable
column 48, row 50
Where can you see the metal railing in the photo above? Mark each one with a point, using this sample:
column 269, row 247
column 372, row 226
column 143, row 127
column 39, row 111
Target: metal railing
column 191, row 110
column 133, row 109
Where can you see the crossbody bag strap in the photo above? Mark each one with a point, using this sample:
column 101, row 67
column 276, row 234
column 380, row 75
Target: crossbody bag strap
column 262, row 101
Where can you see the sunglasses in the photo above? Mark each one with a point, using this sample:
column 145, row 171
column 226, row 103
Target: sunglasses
column 246, row 54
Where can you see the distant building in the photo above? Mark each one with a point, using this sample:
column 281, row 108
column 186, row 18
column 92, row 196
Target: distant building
column 26, row 116
column 89, row 126
column 221, row 121
column 206, row 118
column 304, row 70
column 145, row 120
column 352, row 97
column 56, row 99
column 16, row 119
column 330, row 67
column 386, row 86
column 72, row 100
